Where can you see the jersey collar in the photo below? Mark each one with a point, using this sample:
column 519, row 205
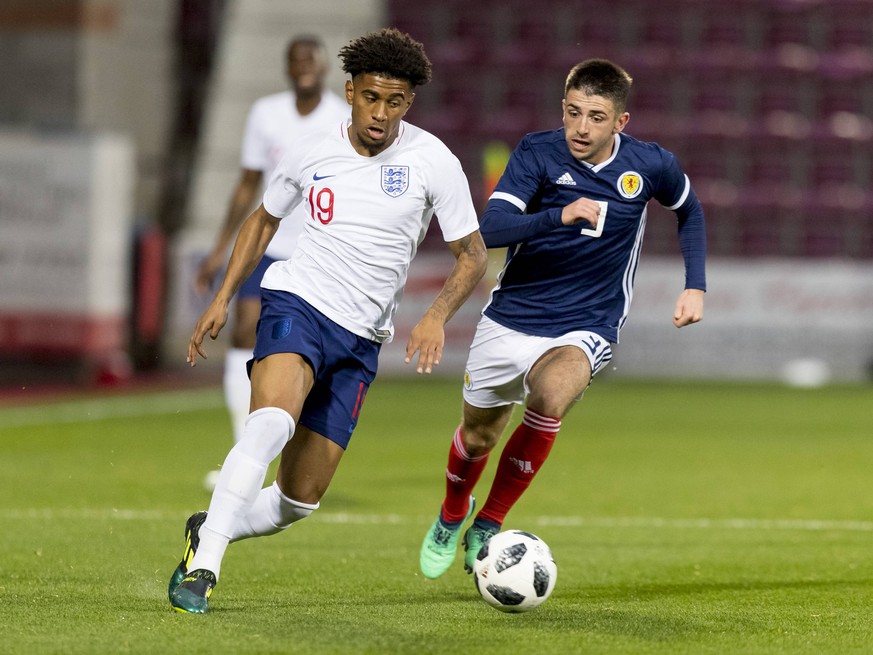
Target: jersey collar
column 599, row 167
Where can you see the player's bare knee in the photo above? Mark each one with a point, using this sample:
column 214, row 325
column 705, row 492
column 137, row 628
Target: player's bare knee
column 479, row 440
column 552, row 407
column 556, row 399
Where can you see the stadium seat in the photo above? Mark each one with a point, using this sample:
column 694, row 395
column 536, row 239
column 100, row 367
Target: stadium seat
column 844, row 93
column 792, row 22
column 848, row 24
column 760, row 235
column 837, row 221
column 829, row 169
column 733, row 24
column 784, row 92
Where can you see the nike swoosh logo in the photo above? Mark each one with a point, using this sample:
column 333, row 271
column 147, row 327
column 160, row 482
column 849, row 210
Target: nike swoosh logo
column 318, row 177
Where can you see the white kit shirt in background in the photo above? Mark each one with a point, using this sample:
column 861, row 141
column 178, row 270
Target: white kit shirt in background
column 272, row 129
column 364, row 219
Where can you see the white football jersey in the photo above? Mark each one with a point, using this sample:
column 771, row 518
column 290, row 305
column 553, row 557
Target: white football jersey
column 272, row 128
column 364, row 218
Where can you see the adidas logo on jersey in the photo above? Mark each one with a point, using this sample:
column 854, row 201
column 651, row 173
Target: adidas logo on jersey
column 567, row 179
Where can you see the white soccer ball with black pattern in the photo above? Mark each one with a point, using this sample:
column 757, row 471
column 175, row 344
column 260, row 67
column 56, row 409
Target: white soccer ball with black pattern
column 515, row 571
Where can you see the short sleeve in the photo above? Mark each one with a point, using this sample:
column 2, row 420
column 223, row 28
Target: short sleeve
column 673, row 185
column 284, row 191
column 450, row 195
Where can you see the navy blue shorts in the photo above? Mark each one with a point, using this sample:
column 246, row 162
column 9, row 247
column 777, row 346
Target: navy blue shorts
column 344, row 363
column 251, row 288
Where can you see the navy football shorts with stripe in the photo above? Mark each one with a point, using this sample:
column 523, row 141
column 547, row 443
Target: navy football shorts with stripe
column 344, row 363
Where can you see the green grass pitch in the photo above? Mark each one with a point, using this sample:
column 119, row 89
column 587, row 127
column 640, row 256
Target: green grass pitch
column 685, row 518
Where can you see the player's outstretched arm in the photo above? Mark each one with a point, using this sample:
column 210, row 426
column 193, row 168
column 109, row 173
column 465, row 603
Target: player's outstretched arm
column 689, row 308
column 428, row 336
column 251, row 243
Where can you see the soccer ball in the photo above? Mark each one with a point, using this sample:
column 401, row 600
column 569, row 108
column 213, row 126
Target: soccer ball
column 515, row 571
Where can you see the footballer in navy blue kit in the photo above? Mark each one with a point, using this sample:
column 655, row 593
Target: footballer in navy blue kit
column 560, row 278
column 571, row 210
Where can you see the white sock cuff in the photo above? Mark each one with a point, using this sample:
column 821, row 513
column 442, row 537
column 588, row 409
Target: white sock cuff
column 271, row 410
column 289, row 510
column 537, row 421
column 267, row 431
column 295, row 503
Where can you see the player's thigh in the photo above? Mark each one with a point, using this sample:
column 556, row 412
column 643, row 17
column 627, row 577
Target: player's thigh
column 281, row 380
column 557, row 379
column 496, row 365
column 247, row 311
column 307, row 465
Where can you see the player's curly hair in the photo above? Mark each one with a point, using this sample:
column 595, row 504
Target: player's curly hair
column 600, row 77
column 390, row 53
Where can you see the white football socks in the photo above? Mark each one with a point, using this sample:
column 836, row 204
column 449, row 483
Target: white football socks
column 239, row 483
column 237, row 389
column 272, row 512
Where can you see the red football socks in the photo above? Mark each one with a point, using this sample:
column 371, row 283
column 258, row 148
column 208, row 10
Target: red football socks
column 462, row 474
column 523, row 455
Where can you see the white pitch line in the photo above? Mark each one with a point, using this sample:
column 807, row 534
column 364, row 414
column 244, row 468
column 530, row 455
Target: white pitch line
column 82, row 411
column 349, row 518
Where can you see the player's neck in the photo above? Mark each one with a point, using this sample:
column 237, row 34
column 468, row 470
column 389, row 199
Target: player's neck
column 368, row 149
column 306, row 104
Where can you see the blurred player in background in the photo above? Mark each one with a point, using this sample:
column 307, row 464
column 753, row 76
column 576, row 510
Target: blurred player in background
column 369, row 187
column 571, row 209
column 275, row 124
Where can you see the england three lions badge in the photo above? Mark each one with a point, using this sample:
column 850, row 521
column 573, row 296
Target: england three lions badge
column 395, row 180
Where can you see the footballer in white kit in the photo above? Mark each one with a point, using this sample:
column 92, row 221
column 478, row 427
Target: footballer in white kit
column 368, row 188
column 275, row 122
column 364, row 220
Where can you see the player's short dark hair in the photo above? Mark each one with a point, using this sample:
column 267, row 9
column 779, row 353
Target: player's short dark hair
column 389, row 53
column 600, row 77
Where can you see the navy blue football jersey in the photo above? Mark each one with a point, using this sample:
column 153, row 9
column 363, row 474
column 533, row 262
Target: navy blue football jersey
column 560, row 278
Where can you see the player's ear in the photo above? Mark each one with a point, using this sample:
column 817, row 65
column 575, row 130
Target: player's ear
column 621, row 121
column 350, row 91
column 408, row 103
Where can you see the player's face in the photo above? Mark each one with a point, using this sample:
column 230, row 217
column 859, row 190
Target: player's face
column 306, row 68
column 378, row 105
column 590, row 122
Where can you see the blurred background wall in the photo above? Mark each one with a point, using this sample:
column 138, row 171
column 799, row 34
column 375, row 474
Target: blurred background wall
column 767, row 104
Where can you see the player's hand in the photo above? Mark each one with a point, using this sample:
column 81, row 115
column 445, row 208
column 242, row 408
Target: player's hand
column 580, row 210
column 689, row 308
column 207, row 271
column 210, row 323
column 428, row 338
